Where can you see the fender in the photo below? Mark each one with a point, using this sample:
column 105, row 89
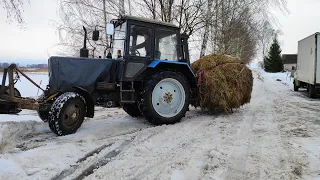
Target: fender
column 181, row 67
column 88, row 98
column 156, row 63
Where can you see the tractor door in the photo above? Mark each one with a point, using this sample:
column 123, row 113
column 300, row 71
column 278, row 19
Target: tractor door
column 167, row 44
column 140, row 49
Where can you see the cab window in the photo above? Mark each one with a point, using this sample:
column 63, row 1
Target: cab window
column 140, row 41
column 166, row 45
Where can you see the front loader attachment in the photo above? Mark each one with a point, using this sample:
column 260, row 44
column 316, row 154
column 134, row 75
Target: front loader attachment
column 11, row 101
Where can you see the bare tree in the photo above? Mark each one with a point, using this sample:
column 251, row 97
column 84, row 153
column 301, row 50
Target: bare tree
column 93, row 14
column 265, row 36
column 234, row 27
column 14, row 9
column 206, row 28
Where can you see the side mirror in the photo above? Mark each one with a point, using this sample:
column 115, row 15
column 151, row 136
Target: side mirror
column 95, row 35
column 110, row 29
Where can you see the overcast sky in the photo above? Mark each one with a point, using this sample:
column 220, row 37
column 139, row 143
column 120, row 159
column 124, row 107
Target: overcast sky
column 38, row 39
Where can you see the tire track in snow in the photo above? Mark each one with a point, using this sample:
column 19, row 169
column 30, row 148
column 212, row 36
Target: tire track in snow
column 73, row 168
column 257, row 147
column 162, row 149
column 78, row 171
column 86, row 166
column 299, row 125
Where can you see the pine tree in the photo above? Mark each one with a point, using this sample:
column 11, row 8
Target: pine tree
column 273, row 62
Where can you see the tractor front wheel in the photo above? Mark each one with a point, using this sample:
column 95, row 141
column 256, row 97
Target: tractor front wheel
column 44, row 115
column 67, row 113
column 165, row 98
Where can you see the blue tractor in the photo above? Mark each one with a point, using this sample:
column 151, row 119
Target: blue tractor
column 146, row 71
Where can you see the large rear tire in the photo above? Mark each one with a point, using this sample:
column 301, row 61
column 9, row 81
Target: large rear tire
column 165, row 98
column 67, row 113
column 132, row 110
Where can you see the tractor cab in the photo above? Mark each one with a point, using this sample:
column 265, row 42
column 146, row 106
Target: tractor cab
column 147, row 40
column 141, row 41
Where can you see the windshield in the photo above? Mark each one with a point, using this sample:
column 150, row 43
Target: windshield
column 119, row 40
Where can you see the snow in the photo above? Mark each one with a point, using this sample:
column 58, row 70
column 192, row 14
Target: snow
column 276, row 136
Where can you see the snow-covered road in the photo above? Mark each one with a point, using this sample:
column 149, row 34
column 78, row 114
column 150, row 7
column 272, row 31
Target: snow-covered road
column 276, row 136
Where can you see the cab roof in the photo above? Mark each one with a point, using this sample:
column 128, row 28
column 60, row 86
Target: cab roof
column 148, row 20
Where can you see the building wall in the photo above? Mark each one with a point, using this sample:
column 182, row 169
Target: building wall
column 288, row 67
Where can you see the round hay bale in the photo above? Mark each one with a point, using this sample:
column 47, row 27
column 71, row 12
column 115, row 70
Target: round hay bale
column 226, row 83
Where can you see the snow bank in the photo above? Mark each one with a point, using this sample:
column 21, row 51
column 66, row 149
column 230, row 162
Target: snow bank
column 11, row 131
column 281, row 77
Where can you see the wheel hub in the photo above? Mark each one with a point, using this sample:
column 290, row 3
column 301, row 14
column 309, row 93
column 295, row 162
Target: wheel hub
column 71, row 115
column 168, row 97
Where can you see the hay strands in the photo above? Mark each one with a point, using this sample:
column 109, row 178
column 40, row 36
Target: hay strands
column 202, row 74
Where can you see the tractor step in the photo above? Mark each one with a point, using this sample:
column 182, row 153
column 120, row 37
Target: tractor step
column 7, row 107
column 127, row 94
column 130, row 90
column 129, row 102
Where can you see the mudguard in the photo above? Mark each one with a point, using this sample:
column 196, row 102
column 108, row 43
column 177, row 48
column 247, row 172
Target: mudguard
column 88, row 100
column 156, row 63
column 181, row 67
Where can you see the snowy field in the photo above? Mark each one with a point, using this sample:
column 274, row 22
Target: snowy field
column 276, row 136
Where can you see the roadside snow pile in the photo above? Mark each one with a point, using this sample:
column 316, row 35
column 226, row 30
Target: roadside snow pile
column 11, row 131
column 283, row 77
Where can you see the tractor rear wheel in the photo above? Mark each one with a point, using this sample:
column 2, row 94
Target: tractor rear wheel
column 132, row 110
column 165, row 98
column 67, row 113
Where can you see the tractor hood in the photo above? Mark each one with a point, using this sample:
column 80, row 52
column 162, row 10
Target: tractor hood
column 68, row 72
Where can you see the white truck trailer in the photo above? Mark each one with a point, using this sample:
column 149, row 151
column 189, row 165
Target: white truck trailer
column 307, row 74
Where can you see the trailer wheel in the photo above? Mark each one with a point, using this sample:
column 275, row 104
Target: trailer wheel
column 16, row 92
column 165, row 98
column 311, row 91
column 132, row 110
column 295, row 88
column 67, row 113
